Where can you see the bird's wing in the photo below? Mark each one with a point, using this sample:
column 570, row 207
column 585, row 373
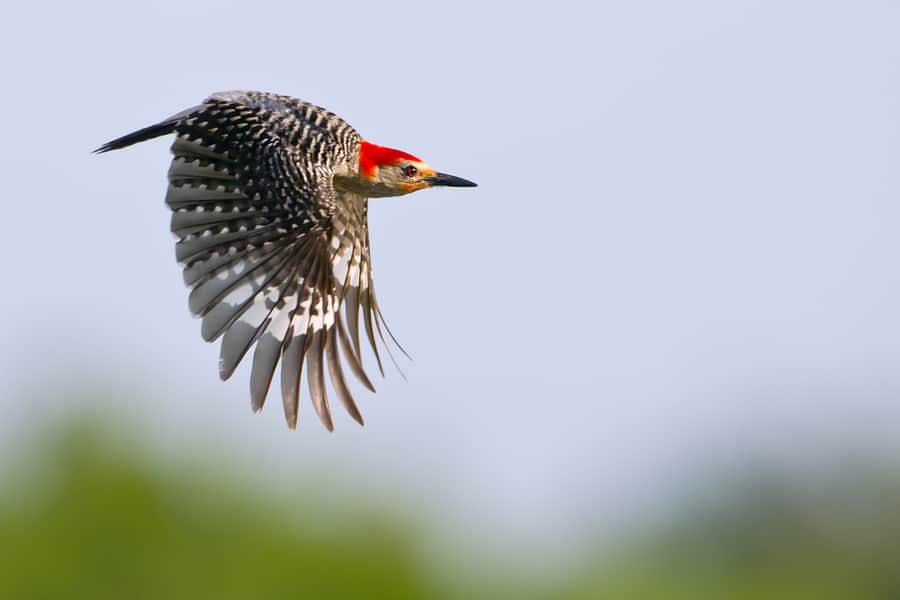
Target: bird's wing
column 269, row 248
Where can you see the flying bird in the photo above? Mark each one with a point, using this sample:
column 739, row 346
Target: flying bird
column 269, row 196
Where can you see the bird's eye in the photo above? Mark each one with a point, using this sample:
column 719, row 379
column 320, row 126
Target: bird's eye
column 410, row 170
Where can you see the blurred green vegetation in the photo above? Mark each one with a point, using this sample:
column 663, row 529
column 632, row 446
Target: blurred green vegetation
column 87, row 518
column 835, row 537
column 90, row 519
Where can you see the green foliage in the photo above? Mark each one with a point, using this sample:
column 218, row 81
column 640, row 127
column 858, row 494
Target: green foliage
column 89, row 519
column 101, row 524
column 838, row 539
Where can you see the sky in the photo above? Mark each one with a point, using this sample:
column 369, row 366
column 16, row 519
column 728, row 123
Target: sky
column 681, row 258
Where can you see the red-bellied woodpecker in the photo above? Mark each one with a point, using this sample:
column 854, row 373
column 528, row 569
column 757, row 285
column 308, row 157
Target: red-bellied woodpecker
column 269, row 198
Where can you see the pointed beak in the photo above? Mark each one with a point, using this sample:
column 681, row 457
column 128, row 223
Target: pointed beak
column 449, row 181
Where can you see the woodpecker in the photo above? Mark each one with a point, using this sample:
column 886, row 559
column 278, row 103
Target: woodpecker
column 269, row 199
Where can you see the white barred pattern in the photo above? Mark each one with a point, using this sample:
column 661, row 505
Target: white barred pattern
column 270, row 249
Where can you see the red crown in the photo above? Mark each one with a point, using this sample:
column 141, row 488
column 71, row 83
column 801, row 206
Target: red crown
column 372, row 156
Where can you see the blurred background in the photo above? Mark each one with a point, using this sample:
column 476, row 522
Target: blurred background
column 656, row 351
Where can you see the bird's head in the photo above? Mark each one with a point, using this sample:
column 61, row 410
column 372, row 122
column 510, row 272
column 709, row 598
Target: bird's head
column 388, row 172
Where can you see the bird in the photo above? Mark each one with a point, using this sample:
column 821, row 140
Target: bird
column 269, row 199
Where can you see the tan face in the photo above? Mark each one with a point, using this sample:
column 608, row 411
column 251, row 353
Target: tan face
column 406, row 176
column 396, row 179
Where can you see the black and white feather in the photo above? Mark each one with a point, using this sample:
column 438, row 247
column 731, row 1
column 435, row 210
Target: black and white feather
column 276, row 258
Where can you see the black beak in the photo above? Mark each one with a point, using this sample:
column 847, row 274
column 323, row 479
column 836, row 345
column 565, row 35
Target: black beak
column 449, row 181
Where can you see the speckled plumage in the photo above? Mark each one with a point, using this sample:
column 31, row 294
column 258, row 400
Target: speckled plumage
column 271, row 249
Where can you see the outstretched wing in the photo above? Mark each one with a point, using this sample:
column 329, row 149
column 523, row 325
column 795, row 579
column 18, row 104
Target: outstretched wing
column 270, row 249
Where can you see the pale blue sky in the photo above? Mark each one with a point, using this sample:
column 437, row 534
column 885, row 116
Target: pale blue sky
column 682, row 256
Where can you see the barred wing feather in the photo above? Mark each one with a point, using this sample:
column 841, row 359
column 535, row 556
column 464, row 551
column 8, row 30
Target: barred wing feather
column 271, row 251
